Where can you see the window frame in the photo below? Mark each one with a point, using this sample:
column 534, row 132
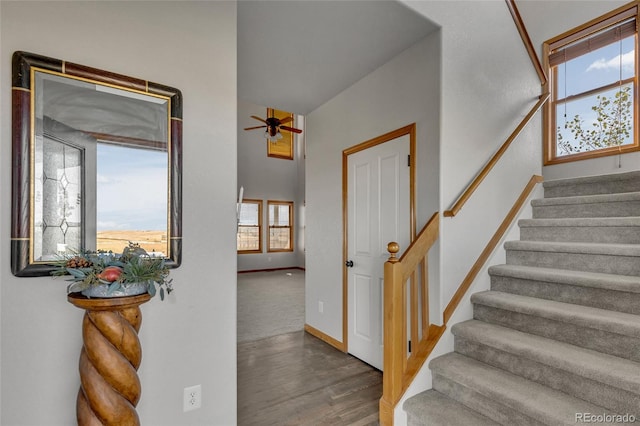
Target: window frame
column 610, row 20
column 290, row 204
column 283, row 148
column 259, row 249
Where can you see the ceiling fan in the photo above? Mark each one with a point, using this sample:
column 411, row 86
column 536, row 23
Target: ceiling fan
column 273, row 126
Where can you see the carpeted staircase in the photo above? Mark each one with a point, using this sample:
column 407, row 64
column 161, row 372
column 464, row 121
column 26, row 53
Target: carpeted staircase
column 556, row 341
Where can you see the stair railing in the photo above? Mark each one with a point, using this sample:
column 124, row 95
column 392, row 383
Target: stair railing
column 407, row 276
column 457, row 206
column 544, row 97
column 489, row 248
column 399, row 368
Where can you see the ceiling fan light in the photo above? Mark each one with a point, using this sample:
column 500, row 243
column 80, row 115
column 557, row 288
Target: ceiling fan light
column 272, row 138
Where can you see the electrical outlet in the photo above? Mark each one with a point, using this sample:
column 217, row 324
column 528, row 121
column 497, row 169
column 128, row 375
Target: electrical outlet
column 192, row 399
column 321, row 307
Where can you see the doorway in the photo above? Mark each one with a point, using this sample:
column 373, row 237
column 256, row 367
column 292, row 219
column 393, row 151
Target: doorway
column 378, row 203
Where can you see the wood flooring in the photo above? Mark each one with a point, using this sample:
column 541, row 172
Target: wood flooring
column 296, row 379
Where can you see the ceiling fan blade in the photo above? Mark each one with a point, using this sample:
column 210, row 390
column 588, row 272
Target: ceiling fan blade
column 259, row 119
column 290, row 129
column 256, row 127
column 286, row 120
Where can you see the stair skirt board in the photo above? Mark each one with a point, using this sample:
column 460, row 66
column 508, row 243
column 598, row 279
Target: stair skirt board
column 558, row 334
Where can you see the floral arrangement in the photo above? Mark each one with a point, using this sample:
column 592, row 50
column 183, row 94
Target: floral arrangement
column 118, row 271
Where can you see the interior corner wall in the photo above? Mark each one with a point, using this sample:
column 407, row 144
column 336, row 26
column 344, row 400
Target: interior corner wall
column 2, row 212
column 190, row 338
column 488, row 86
column 267, row 178
column 542, row 26
column 403, row 91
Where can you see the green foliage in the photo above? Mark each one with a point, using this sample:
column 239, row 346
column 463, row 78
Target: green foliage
column 612, row 126
column 87, row 269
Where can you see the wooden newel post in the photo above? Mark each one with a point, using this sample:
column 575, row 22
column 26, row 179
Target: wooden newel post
column 395, row 327
column 109, row 360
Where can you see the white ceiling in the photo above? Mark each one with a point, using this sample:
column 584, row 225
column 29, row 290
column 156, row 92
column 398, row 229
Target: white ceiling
column 296, row 55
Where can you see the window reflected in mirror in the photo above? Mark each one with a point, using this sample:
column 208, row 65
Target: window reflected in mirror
column 103, row 166
column 97, row 164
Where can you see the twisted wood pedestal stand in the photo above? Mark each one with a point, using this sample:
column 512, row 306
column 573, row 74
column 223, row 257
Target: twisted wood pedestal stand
column 109, row 360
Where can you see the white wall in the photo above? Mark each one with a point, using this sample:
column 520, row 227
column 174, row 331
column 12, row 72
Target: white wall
column 191, row 337
column 403, row 91
column 266, row 178
column 488, row 85
column 542, row 26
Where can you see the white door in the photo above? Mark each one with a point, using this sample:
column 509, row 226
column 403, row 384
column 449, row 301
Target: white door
column 378, row 213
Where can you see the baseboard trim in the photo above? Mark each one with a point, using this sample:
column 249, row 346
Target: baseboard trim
column 325, row 337
column 271, row 269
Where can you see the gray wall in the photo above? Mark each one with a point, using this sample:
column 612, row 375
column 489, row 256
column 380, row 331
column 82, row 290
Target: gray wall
column 403, row 91
column 191, row 337
column 266, row 178
column 488, row 85
column 542, row 26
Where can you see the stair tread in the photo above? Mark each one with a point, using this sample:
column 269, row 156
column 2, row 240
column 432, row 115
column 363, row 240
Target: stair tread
column 626, row 283
column 581, row 222
column 583, row 316
column 587, row 199
column 612, row 202
column 575, row 247
column 581, row 180
column 618, row 372
column 534, row 400
column 436, row 409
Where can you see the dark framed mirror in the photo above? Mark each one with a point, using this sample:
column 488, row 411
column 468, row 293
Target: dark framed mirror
column 96, row 164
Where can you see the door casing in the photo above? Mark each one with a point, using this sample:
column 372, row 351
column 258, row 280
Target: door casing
column 406, row 130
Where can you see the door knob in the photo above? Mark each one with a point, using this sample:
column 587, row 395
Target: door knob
column 349, row 263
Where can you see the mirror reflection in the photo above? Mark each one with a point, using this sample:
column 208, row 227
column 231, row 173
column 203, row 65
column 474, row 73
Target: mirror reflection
column 101, row 168
column 97, row 164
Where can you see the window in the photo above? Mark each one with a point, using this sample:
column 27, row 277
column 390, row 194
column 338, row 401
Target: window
column 281, row 148
column 249, row 237
column 280, row 226
column 593, row 82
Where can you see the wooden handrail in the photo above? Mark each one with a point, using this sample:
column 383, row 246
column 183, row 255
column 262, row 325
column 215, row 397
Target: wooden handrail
column 517, row 19
column 399, row 370
column 491, row 245
column 457, row 206
column 425, row 239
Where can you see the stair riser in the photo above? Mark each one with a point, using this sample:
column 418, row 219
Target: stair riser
column 431, row 408
column 587, row 296
column 593, row 188
column 488, row 407
column 616, row 400
column 612, row 209
column 610, row 264
column 608, row 342
column 582, row 234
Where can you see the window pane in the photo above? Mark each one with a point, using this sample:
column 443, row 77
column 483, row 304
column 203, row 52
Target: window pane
column 249, row 214
column 58, row 200
column 595, row 69
column 280, row 238
column 593, row 72
column 279, row 215
column 599, row 121
column 248, row 238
